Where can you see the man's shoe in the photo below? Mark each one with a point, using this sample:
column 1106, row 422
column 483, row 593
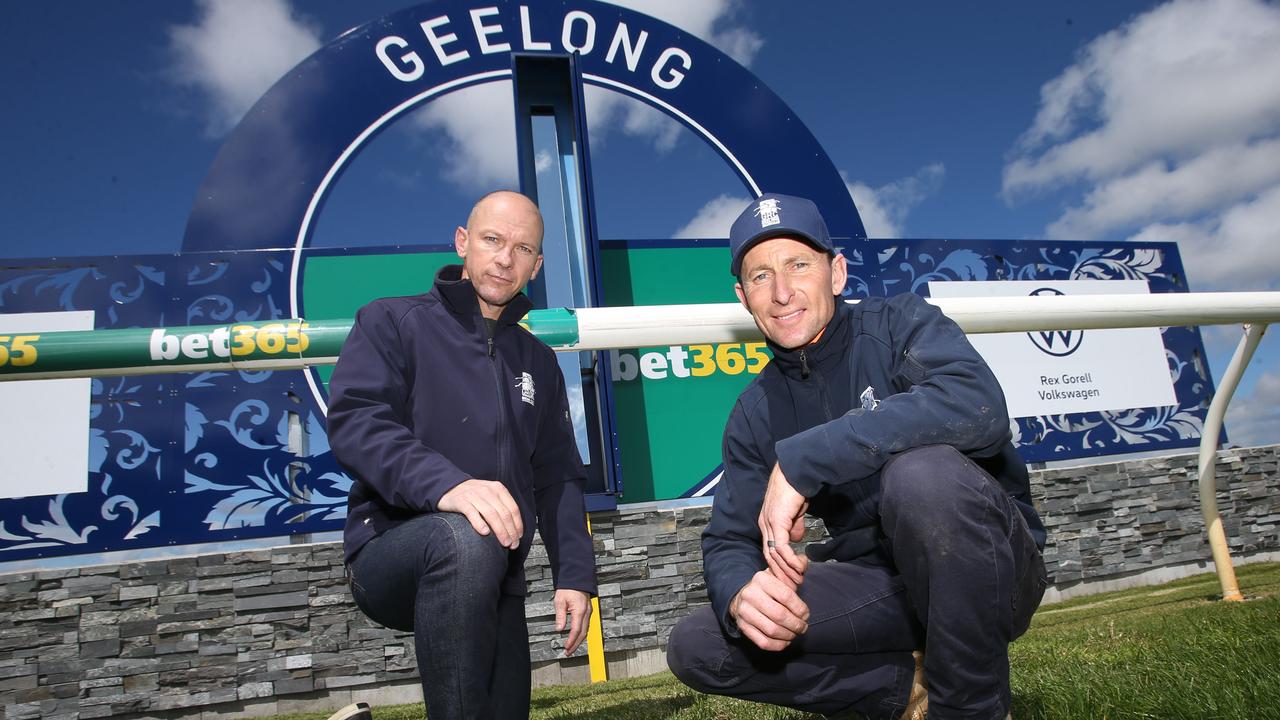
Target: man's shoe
column 918, row 702
column 354, row 711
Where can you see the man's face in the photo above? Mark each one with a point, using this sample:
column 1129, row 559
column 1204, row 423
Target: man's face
column 501, row 249
column 790, row 287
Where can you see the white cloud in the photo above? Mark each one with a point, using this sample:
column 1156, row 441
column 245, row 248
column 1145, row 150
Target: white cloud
column 1255, row 420
column 542, row 161
column 1169, row 127
column 714, row 219
column 1232, row 250
column 1205, row 183
column 609, row 111
column 710, row 20
column 236, row 50
column 1181, row 79
column 884, row 209
column 480, row 130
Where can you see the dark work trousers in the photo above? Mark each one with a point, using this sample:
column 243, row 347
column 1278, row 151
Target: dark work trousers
column 435, row 575
column 964, row 579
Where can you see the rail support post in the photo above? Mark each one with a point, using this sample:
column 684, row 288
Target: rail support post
column 1209, row 453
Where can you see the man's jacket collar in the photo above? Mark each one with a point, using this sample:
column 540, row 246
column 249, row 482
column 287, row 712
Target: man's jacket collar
column 459, row 296
column 826, row 355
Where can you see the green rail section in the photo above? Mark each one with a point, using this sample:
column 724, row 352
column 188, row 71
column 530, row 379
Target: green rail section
column 277, row 343
column 669, row 423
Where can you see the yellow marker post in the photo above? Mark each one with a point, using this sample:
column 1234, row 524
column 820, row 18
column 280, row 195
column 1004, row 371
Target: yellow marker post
column 595, row 637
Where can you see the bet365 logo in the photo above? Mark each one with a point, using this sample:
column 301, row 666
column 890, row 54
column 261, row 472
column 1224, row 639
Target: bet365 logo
column 1058, row 343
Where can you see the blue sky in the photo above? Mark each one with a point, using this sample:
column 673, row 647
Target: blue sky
column 1094, row 121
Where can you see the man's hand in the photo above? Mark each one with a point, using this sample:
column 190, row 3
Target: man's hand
column 769, row 612
column 577, row 605
column 489, row 506
column 781, row 523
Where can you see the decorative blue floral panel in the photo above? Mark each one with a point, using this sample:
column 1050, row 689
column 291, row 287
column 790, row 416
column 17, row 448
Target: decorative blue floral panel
column 910, row 265
column 187, row 458
column 214, row 456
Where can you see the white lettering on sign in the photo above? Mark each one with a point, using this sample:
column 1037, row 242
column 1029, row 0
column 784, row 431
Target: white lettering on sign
column 484, row 31
column 578, row 33
column 439, row 41
column 415, row 67
column 673, row 77
column 526, row 34
column 566, row 37
column 630, row 52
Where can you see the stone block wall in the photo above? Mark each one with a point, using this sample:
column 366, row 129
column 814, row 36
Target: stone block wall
column 1125, row 518
column 271, row 631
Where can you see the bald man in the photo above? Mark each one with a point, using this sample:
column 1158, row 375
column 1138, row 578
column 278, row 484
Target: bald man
column 454, row 425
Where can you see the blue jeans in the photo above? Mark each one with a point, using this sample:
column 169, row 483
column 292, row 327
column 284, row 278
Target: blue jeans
column 963, row 578
column 436, row 576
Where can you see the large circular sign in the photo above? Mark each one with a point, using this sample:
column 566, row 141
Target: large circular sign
column 273, row 173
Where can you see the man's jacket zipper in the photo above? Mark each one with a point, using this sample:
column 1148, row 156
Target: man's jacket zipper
column 502, row 415
column 822, row 384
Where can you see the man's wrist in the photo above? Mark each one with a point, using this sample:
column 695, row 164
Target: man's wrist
column 734, row 604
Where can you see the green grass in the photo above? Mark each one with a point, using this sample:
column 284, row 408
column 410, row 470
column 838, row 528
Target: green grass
column 1170, row 651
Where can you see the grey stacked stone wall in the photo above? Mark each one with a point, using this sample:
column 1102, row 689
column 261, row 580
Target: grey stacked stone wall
column 271, row 631
column 1126, row 518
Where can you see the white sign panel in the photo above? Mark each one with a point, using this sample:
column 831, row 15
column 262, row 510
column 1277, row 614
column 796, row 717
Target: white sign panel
column 1071, row 371
column 44, row 424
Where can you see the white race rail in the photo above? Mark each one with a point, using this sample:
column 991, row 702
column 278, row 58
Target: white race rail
column 606, row 328
column 648, row 325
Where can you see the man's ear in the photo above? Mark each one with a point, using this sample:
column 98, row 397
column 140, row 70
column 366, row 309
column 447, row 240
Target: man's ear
column 839, row 274
column 742, row 296
column 537, row 265
column 460, row 241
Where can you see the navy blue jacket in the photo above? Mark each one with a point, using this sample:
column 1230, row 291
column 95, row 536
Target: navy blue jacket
column 423, row 399
column 887, row 375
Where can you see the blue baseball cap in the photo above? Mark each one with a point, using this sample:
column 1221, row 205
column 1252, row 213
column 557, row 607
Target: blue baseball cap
column 774, row 215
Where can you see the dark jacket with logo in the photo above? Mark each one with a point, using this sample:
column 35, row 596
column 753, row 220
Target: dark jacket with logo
column 423, row 398
column 887, row 375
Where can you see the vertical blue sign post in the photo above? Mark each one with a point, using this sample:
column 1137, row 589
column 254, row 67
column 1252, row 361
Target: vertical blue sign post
column 551, row 124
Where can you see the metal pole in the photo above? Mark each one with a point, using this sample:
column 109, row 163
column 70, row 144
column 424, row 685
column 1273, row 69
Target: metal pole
column 1209, row 453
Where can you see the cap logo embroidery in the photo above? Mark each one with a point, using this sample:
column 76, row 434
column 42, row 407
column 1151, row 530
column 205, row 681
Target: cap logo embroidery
column 525, row 383
column 768, row 211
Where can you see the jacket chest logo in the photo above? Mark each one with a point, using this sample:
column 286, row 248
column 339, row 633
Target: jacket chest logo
column 525, row 383
column 869, row 399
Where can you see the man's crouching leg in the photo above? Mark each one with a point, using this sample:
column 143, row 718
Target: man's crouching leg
column 971, row 569
column 874, row 685
column 435, row 575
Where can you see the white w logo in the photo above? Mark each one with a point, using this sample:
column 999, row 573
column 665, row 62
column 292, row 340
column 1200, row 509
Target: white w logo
column 1058, row 343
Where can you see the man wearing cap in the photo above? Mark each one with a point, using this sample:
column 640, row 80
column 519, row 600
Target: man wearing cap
column 881, row 420
column 454, row 424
